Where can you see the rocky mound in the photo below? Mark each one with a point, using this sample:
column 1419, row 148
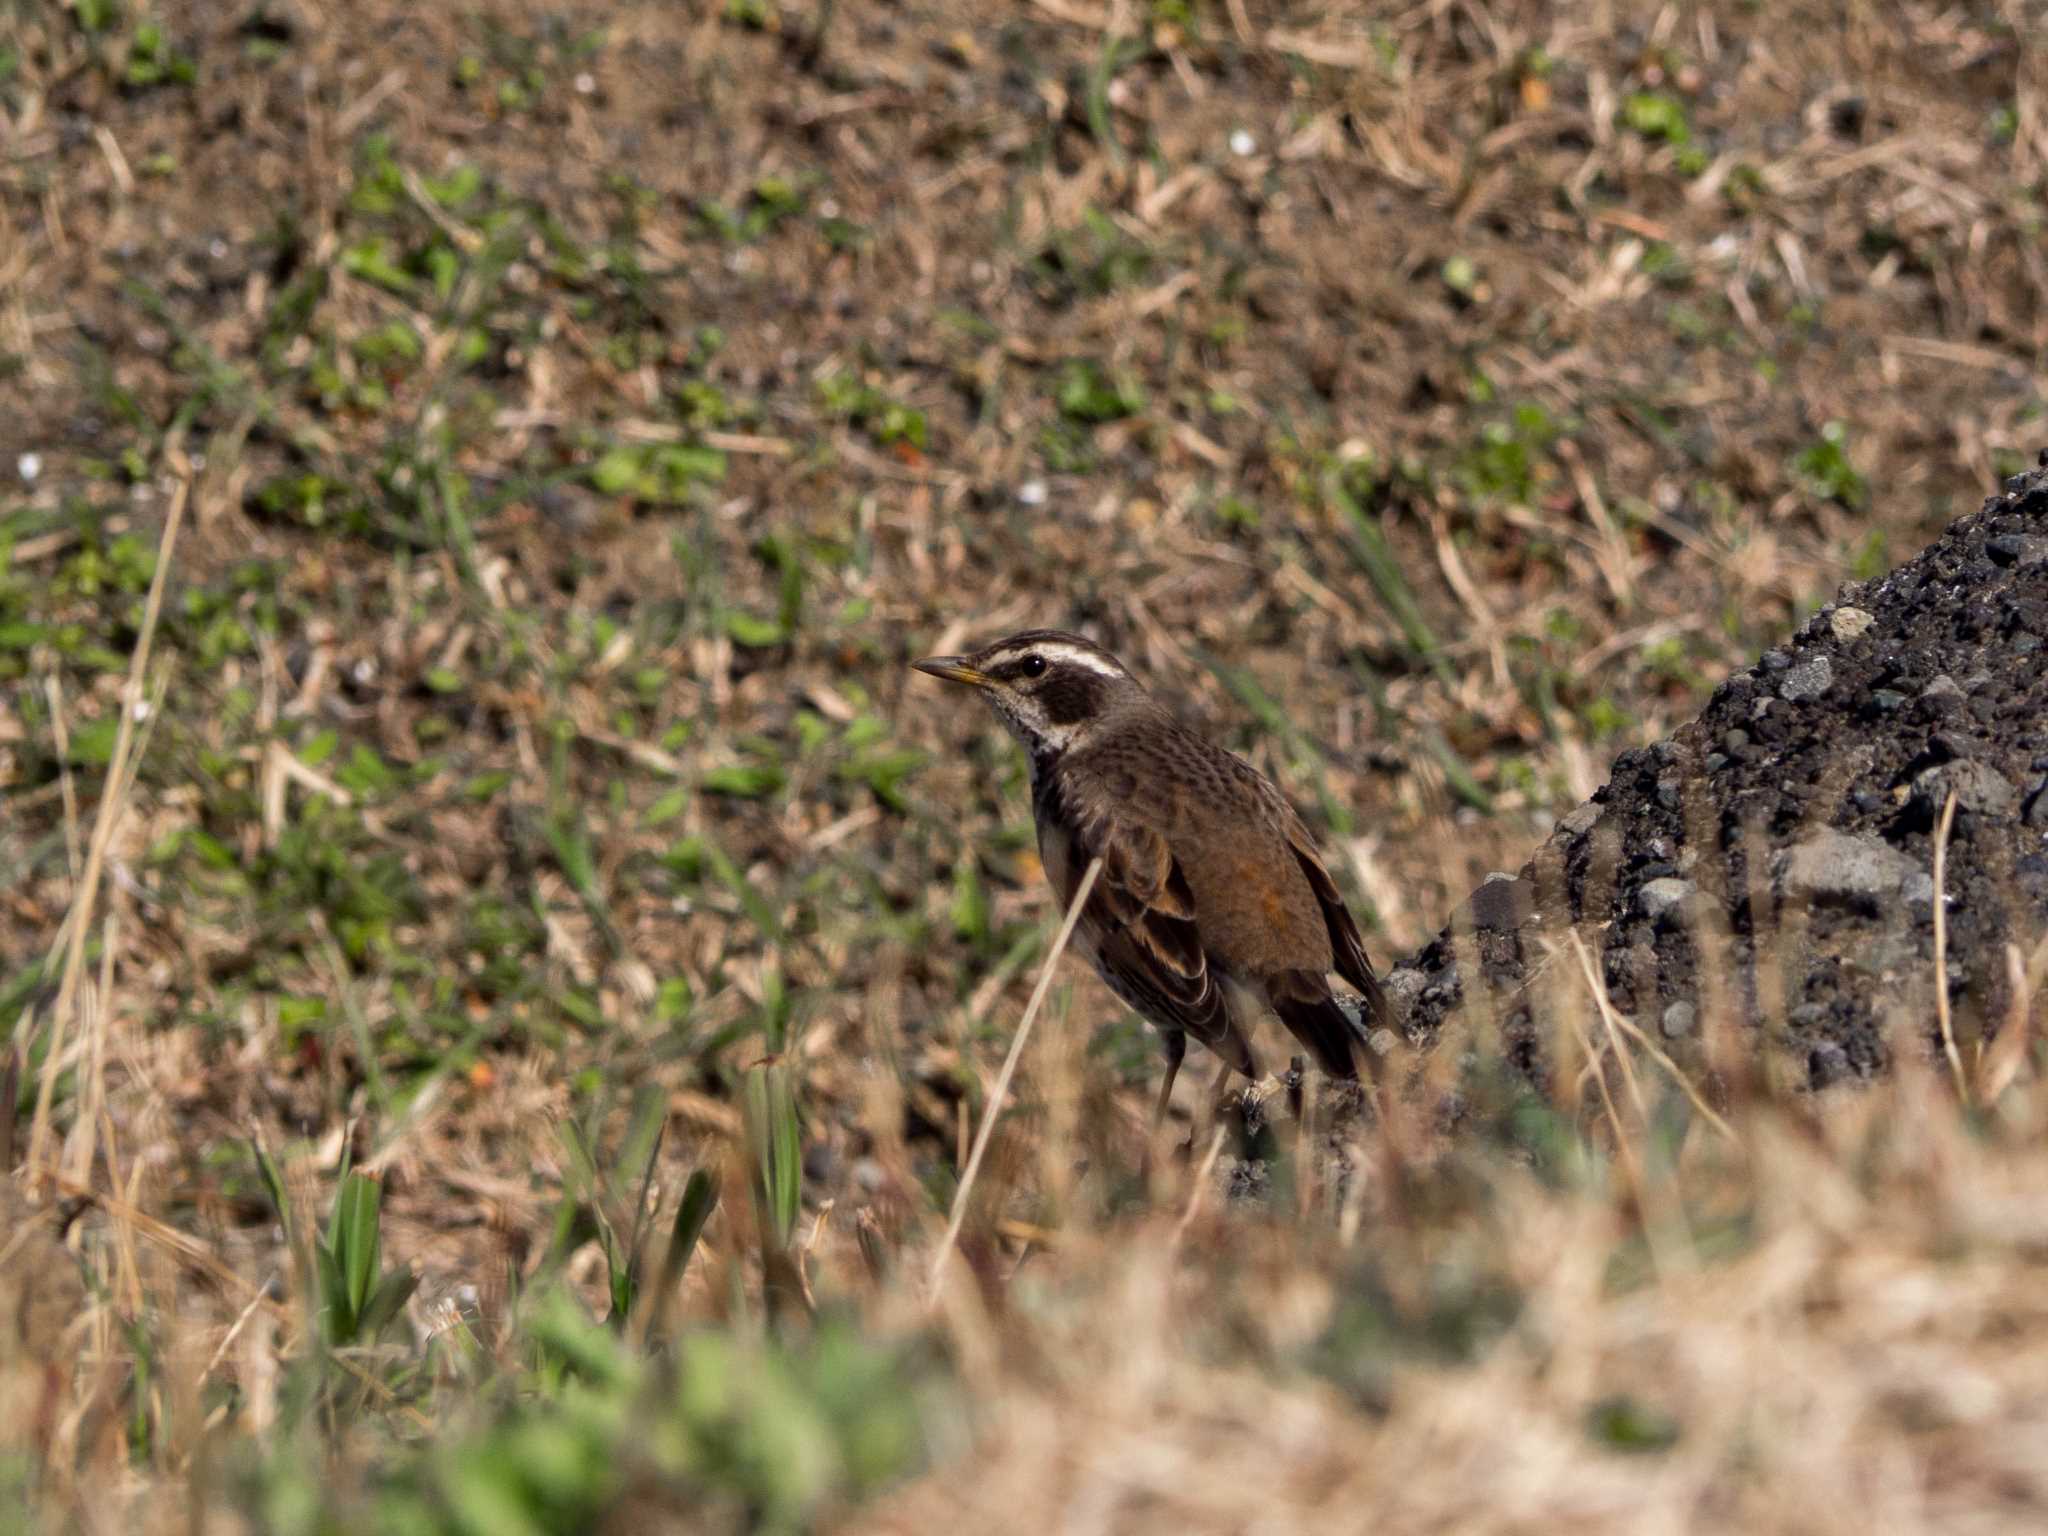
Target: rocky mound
column 1780, row 848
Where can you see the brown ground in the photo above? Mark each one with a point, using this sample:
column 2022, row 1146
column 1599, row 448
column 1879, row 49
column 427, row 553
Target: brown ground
column 590, row 409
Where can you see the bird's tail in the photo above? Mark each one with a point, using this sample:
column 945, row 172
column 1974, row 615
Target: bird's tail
column 1304, row 1003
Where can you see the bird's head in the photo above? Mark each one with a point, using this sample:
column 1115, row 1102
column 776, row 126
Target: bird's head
column 1049, row 687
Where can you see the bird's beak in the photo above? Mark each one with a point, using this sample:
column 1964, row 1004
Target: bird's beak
column 954, row 669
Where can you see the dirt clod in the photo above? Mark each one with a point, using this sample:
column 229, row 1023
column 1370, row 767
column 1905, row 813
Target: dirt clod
column 1831, row 760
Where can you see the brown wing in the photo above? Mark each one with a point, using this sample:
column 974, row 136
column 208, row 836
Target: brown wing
column 1140, row 926
column 1346, row 946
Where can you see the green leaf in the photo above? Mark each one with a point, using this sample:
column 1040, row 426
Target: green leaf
column 272, row 1178
column 775, row 1137
column 356, row 1239
column 334, row 1304
column 666, row 809
column 747, row 781
column 617, row 472
column 1624, row 1424
column 391, row 1293
column 753, row 631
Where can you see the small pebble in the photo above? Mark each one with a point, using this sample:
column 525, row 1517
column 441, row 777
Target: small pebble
column 1838, row 869
column 1678, row 1020
column 29, row 465
column 1942, row 688
column 2037, row 808
column 1847, row 623
column 1979, row 789
column 1808, row 680
column 1032, row 493
column 1243, row 144
column 1664, row 896
column 1581, row 820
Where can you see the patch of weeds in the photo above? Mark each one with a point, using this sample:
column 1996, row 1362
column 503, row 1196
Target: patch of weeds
column 883, row 769
column 95, row 17
column 780, row 555
column 1823, row 470
column 1666, row 264
column 660, row 474
column 1086, row 392
column 326, row 862
column 1666, row 661
column 1624, row 1423
column 769, row 202
column 1604, row 719
column 1872, row 558
column 886, row 421
column 752, row 779
column 1510, row 460
column 153, row 61
column 1743, row 189
column 1658, row 116
column 1236, row 513
column 1093, row 258
column 1067, row 448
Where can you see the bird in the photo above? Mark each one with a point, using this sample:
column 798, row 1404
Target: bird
column 1213, row 900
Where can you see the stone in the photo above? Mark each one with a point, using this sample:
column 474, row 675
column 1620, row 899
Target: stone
column 1942, row 690
column 1847, row 623
column 1661, row 897
column 1979, row 789
column 2037, row 808
column 1678, row 1021
column 1835, row 869
column 1808, row 680
column 2017, row 549
column 1581, row 821
column 1403, row 984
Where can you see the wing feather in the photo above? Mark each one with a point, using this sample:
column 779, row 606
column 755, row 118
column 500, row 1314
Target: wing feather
column 1346, row 947
column 1140, row 927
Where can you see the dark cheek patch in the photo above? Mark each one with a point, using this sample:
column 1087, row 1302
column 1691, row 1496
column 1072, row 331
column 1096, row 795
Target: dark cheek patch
column 1067, row 697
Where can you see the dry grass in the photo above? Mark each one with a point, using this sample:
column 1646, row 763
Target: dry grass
column 1430, row 399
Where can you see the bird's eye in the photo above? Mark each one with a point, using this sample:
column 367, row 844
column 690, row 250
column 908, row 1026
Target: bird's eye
column 1034, row 666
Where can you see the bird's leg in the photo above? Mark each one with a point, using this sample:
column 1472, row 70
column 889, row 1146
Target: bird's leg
column 1219, row 1099
column 1176, row 1045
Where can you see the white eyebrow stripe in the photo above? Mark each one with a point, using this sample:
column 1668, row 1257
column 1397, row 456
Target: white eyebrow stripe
column 1060, row 651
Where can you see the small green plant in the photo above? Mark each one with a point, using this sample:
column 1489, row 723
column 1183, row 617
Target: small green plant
column 1658, row 116
column 152, row 60
column 1823, row 469
column 357, row 1295
column 1086, row 392
column 660, row 474
column 354, row 1297
column 885, row 420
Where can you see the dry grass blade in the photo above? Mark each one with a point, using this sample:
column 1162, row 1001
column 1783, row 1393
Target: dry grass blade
column 1999, row 1064
column 108, row 817
column 1002, row 1088
column 1941, row 1005
column 1627, row 1026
